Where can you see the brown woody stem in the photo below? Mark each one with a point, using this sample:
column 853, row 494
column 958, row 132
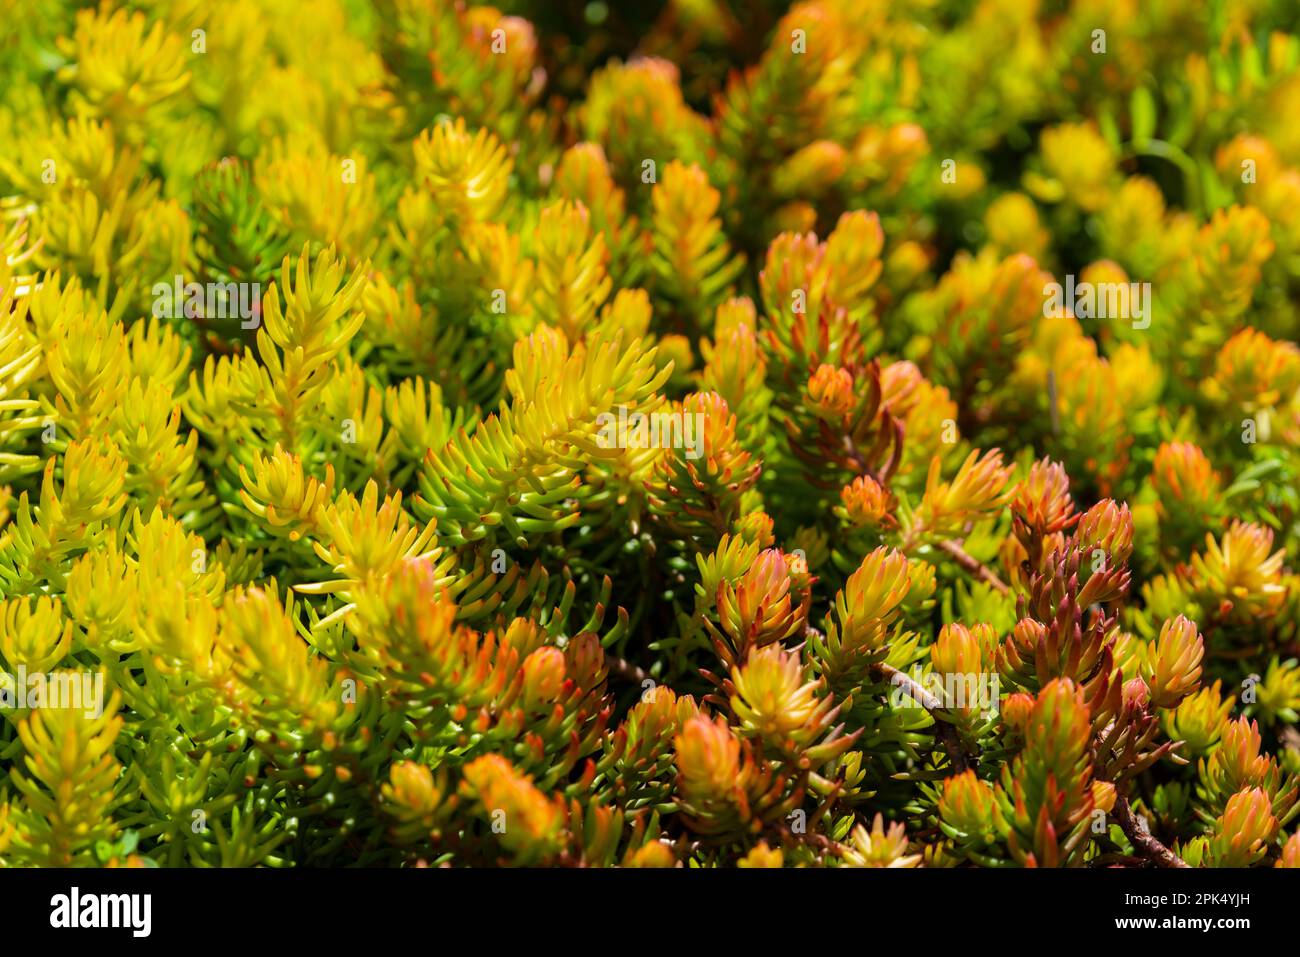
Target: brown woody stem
column 943, row 731
column 1141, row 839
column 973, row 565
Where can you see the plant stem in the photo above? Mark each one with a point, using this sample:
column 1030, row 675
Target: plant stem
column 1144, row 842
column 944, row 732
column 973, row 565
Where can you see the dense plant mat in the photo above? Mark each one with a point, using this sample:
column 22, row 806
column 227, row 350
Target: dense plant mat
column 705, row 434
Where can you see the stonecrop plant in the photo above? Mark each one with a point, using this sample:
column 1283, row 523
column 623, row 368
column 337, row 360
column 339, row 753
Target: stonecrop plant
column 705, row 434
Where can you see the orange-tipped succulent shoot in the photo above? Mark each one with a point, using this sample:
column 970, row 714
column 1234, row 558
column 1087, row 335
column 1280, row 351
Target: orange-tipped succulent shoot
column 1172, row 668
column 879, row 846
column 775, row 701
column 762, row 607
column 979, row 488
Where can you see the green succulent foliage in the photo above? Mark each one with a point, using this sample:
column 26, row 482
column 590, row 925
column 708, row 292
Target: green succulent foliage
column 568, row 436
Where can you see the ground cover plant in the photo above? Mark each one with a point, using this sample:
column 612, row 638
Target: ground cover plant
column 848, row 433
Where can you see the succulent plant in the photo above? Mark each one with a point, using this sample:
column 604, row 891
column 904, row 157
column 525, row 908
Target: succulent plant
column 726, row 437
